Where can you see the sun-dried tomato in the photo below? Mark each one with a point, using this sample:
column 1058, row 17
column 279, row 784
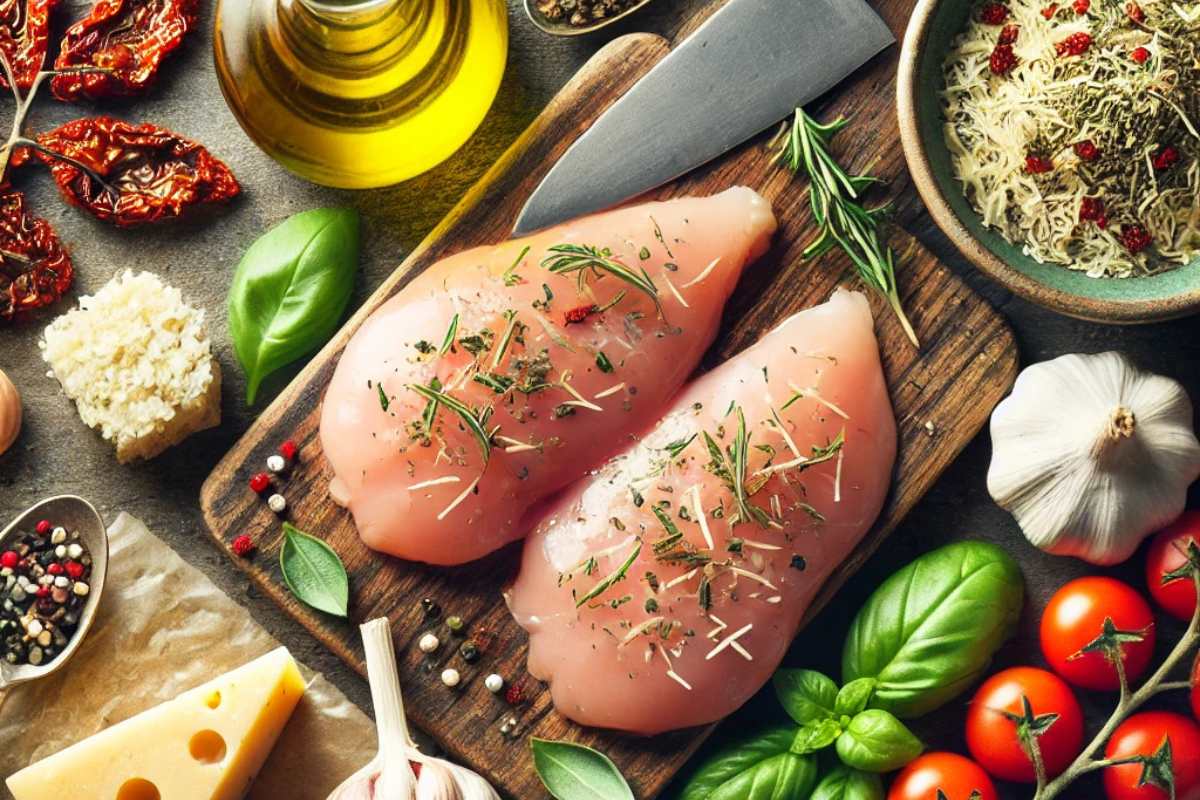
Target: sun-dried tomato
column 24, row 37
column 126, row 38
column 35, row 270
column 148, row 172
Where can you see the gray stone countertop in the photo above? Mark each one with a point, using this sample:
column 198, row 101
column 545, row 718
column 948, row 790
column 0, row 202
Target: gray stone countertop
column 57, row 454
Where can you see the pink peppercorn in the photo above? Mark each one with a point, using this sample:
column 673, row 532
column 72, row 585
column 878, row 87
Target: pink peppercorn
column 260, row 482
column 10, row 559
column 74, row 570
column 288, row 450
column 993, row 14
column 44, row 527
column 242, row 546
column 1140, row 55
column 1082, row 6
column 54, row 568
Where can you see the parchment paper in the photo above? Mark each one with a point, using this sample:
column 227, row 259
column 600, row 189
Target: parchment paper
column 162, row 628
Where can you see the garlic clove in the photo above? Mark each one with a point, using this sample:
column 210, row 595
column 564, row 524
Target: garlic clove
column 436, row 783
column 1090, row 455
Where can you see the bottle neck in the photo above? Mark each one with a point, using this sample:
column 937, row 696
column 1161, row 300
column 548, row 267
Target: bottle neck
column 360, row 33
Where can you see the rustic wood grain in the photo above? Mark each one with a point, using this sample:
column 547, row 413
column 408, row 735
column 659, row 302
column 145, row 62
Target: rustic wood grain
column 942, row 397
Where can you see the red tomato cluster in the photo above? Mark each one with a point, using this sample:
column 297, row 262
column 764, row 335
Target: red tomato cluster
column 1089, row 627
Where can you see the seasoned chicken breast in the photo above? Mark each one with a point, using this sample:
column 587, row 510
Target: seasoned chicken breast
column 663, row 591
column 501, row 374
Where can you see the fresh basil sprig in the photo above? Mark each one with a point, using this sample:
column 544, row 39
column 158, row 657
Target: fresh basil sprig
column 314, row 572
column 290, row 289
column 931, row 629
column 573, row 771
column 875, row 741
column 761, row 766
column 843, row 783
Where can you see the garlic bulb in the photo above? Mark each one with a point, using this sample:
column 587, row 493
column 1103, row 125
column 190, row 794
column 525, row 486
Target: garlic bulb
column 10, row 413
column 392, row 774
column 1091, row 455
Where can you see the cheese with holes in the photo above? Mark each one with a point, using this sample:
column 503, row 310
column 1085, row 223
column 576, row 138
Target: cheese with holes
column 206, row 744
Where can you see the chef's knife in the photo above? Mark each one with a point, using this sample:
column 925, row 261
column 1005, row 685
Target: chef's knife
column 747, row 67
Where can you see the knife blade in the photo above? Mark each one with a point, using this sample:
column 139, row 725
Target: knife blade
column 745, row 68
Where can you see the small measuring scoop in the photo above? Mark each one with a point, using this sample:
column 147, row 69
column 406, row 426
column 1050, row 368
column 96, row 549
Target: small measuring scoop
column 561, row 28
column 74, row 514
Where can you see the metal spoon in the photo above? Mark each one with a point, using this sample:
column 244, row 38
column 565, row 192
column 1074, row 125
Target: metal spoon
column 559, row 28
column 74, row 514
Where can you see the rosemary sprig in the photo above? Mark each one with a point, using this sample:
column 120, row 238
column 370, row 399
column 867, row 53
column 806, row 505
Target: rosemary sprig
column 451, row 332
column 843, row 220
column 473, row 423
column 730, row 466
column 505, row 338
column 606, row 583
column 582, row 260
column 510, row 275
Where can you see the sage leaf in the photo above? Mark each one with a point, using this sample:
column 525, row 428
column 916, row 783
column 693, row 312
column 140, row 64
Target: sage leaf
column 760, row 766
column 816, row 735
column 875, row 741
column 843, row 783
column 290, row 290
column 854, row 696
column 573, row 771
column 805, row 694
column 314, row 572
column 930, row 630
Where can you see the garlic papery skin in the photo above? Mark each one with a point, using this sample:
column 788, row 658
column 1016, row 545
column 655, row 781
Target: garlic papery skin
column 1091, row 455
column 391, row 774
column 10, row 413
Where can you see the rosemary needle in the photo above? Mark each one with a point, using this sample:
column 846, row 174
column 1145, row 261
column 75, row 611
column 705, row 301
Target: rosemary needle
column 843, row 220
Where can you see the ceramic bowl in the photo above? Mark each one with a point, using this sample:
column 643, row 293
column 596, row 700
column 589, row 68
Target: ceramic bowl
column 933, row 25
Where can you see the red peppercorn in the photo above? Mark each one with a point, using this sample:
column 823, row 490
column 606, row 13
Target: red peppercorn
column 1166, row 158
column 1135, row 238
column 74, row 570
column 579, row 313
column 288, row 450
column 10, row 559
column 1092, row 210
column 515, row 694
column 242, row 546
column 1009, row 34
column 1140, row 55
column 260, row 482
column 1049, row 11
column 42, row 592
column 1003, row 59
column 1087, row 150
column 1074, row 45
column 1135, row 12
column 1035, row 165
column 54, row 568
column 44, row 527
column 993, row 14
column 1082, row 6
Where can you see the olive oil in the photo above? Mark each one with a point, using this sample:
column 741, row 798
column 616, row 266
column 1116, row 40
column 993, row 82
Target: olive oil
column 360, row 93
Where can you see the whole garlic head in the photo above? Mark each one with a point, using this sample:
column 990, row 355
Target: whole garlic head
column 10, row 413
column 1091, row 455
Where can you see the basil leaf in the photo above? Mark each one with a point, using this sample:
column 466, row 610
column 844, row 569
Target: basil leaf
column 816, row 735
column 314, row 572
column 875, row 741
column 931, row 629
column 573, row 771
column 290, row 289
column 759, row 768
column 853, row 697
column 805, row 694
column 843, row 783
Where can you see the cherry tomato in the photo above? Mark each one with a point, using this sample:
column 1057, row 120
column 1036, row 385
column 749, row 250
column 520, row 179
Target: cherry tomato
column 956, row 776
column 1075, row 617
column 992, row 733
column 1143, row 734
column 1166, row 554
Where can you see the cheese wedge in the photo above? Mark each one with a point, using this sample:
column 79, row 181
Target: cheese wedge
column 206, row 744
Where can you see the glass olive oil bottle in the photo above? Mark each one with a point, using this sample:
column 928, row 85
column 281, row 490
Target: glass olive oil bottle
column 360, row 93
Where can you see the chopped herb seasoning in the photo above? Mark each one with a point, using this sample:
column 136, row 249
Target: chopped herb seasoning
column 511, row 278
column 603, row 363
column 734, row 545
column 644, row 253
column 424, row 347
column 585, row 260
column 605, row 584
column 799, row 563
column 469, row 418
column 651, row 605
column 478, row 343
column 563, row 410
column 704, row 593
column 451, row 332
column 676, row 448
column 384, row 402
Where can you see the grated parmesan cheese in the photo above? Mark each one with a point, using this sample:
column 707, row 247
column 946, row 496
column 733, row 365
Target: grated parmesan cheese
column 1048, row 103
column 138, row 363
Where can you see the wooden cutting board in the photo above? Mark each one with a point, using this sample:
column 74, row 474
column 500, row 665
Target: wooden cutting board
column 942, row 396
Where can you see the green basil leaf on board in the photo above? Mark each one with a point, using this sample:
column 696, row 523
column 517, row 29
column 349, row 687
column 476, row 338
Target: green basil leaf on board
column 816, row 735
column 758, row 768
column 314, row 572
column 573, row 771
column 931, row 629
column 875, row 741
column 805, row 694
column 843, row 783
column 290, row 290
column 854, row 696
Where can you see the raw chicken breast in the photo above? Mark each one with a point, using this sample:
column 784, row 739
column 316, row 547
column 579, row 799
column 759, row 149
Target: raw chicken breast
column 556, row 348
column 654, row 597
